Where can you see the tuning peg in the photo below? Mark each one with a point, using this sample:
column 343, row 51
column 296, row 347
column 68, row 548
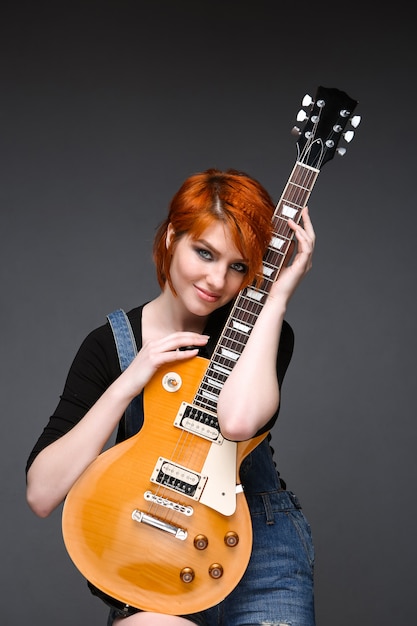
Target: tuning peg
column 348, row 135
column 302, row 116
column 341, row 151
column 307, row 100
column 295, row 131
column 355, row 121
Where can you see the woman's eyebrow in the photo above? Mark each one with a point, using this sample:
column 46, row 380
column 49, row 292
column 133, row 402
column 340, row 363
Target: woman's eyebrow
column 207, row 244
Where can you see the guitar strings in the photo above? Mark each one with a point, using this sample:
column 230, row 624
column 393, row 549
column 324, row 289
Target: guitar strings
column 296, row 193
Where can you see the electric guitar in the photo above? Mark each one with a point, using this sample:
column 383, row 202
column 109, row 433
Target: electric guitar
column 160, row 521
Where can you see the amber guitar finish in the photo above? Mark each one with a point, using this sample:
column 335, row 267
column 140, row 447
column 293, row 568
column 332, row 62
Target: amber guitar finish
column 160, row 521
column 137, row 562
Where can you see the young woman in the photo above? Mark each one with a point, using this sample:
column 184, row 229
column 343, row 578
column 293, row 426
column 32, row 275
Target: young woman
column 210, row 246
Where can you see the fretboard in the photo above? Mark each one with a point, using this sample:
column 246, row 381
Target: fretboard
column 250, row 301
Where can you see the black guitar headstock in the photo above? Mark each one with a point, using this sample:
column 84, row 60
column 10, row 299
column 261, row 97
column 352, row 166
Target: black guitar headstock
column 326, row 118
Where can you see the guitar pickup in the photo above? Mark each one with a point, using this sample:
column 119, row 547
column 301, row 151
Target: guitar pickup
column 178, row 478
column 198, row 422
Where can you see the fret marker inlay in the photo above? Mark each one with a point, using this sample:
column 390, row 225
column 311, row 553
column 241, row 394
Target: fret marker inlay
column 209, row 396
column 289, row 211
column 277, row 243
column 230, row 355
column 241, row 327
column 255, row 295
column 215, row 383
column 222, row 370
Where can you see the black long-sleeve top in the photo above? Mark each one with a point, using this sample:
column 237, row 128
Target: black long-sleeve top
column 96, row 366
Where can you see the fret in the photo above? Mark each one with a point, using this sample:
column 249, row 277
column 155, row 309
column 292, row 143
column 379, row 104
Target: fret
column 232, row 348
column 232, row 336
column 297, row 186
column 224, row 360
column 216, row 376
column 246, row 311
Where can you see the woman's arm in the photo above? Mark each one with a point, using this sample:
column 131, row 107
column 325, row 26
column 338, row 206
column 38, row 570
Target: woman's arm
column 251, row 393
column 57, row 467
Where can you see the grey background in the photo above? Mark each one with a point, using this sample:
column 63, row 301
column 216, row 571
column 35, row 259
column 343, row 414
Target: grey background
column 105, row 108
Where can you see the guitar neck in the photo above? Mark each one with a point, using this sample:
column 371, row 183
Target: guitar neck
column 328, row 116
column 251, row 300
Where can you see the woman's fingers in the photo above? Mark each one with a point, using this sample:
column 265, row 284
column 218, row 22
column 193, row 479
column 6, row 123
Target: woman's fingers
column 175, row 347
column 181, row 341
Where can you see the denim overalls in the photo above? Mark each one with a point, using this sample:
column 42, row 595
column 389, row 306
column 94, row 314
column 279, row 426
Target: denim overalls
column 277, row 587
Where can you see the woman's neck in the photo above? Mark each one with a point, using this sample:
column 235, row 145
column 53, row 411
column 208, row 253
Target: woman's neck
column 165, row 315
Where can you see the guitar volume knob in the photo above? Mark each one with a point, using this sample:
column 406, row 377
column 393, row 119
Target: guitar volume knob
column 231, row 539
column 200, row 542
column 187, row 574
column 216, row 570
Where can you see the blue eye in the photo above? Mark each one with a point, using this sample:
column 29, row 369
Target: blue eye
column 205, row 254
column 239, row 267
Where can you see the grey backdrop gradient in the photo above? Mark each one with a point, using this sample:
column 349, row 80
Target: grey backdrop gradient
column 105, row 108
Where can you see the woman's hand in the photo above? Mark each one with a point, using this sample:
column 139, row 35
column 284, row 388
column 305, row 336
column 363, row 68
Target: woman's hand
column 254, row 375
column 58, row 466
column 292, row 274
column 173, row 348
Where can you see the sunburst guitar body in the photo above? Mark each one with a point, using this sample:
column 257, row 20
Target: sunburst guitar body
column 159, row 521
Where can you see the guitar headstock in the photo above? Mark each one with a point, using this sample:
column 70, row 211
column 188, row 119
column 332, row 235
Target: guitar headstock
column 326, row 118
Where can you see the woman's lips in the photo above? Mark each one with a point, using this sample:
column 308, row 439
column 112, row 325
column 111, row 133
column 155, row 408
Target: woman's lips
column 208, row 296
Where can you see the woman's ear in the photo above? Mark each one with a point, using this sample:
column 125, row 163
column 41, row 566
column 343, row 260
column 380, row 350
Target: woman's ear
column 170, row 235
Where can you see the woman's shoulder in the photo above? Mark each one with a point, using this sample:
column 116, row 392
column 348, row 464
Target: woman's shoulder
column 98, row 349
column 103, row 335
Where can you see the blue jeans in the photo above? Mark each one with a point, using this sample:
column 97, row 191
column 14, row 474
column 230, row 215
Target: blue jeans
column 277, row 587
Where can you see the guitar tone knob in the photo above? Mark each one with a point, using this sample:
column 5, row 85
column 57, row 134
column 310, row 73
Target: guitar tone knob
column 216, row 570
column 231, row 539
column 200, row 542
column 187, row 575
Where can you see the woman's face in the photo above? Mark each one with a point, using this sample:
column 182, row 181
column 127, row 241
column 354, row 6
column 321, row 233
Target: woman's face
column 208, row 272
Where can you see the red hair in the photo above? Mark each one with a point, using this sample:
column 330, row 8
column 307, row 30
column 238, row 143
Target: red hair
column 231, row 197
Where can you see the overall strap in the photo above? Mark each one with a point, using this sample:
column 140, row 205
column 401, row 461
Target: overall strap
column 126, row 351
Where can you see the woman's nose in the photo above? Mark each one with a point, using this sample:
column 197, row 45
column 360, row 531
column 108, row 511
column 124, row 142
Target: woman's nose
column 216, row 278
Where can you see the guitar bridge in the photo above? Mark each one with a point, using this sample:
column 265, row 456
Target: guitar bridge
column 198, row 422
column 168, row 504
column 178, row 478
column 139, row 516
